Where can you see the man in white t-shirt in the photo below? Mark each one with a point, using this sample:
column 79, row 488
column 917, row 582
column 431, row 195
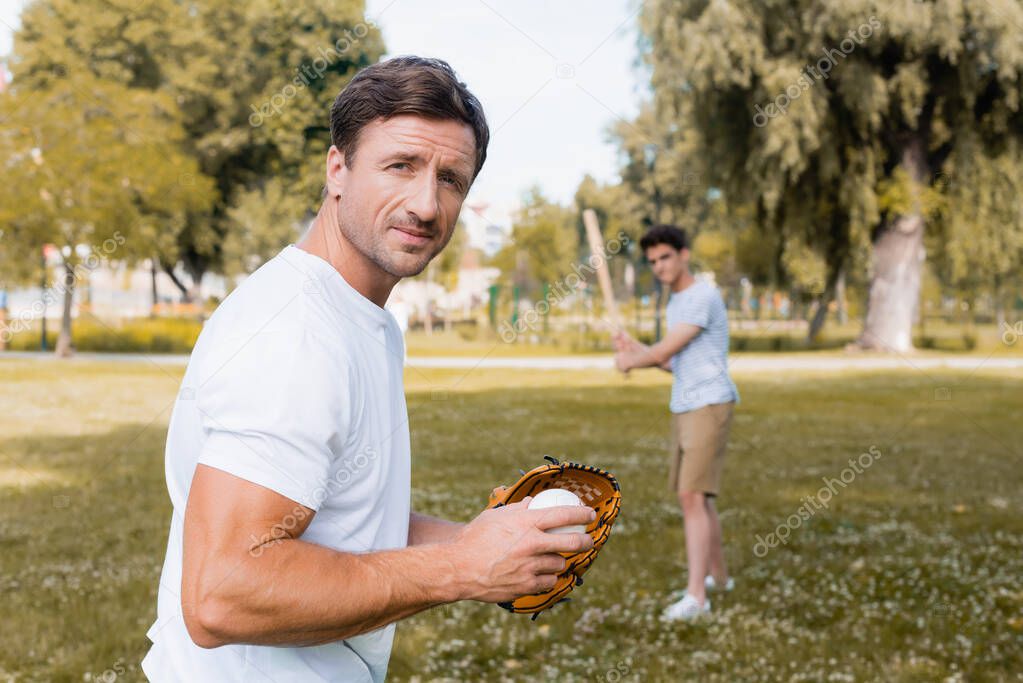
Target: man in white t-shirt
column 292, row 547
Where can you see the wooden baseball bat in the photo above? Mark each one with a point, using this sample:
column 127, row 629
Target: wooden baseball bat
column 596, row 241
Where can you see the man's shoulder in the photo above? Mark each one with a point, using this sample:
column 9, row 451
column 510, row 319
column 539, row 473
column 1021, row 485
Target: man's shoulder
column 268, row 312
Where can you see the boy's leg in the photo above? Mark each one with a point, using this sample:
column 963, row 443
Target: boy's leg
column 716, row 558
column 702, row 435
column 698, row 539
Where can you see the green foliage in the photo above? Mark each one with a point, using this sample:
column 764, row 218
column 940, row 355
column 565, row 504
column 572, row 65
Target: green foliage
column 263, row 222
column 982, row 231
column 448, row 262
column 831, row 163
column 144, row 335
column 544, row 244
column 88, row 162
column 252, row 84
column 615, row 214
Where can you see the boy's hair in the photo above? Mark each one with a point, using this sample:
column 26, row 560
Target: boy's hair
column 672, row 235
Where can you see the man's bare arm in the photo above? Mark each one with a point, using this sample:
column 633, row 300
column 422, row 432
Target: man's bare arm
column 248, row 577
column 425, row 529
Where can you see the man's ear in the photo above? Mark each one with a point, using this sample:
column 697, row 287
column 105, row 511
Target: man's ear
column 336, row 173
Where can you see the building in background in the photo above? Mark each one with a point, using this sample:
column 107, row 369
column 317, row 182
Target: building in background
column 484, row 227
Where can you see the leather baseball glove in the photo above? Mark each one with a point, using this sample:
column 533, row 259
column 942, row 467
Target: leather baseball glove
column 596, row 488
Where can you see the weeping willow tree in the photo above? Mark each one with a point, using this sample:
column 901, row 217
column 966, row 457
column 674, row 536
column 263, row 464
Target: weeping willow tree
column 840, row 124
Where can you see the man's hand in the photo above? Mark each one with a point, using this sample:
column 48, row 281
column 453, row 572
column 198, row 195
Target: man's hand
column 505, row 552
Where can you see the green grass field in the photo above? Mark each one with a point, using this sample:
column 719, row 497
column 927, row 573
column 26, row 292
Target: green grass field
column 913, row 573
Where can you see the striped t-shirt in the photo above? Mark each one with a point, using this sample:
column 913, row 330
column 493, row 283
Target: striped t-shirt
column 701, row 367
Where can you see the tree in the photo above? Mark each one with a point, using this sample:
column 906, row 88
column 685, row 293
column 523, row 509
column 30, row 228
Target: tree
column 834, row 119
column 252, row 83
column 662, row 173
column 86, row 166
column 543, row 245
column 263, row 222
column 984, row 234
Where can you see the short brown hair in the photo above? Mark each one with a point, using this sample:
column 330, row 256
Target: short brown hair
column 405, row 85
column 672, row 235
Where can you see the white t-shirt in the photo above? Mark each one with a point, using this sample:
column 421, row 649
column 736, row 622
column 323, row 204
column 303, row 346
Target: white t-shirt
column 701, row 367
column 296, row 385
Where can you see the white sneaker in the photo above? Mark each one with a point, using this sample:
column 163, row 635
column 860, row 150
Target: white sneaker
column 686, row 609
column 712, row 585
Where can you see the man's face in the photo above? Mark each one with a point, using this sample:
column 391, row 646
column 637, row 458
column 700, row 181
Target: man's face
column 667, row 262
column 401, row 197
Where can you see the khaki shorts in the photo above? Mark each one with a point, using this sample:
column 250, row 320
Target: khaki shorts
column 698, row 441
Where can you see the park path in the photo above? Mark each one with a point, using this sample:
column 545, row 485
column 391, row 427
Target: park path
column 740, row 362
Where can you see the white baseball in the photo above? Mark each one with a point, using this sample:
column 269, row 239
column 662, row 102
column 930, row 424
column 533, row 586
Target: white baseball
column 555, row 498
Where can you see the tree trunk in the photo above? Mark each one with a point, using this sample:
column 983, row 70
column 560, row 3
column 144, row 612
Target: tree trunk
column 897, row 266
column 64, row 349
column 843, row 312
column 152, row 280
column 819, row 316
column 185, row 296
column 195, row 265
column 836, row 275
column 999, row 303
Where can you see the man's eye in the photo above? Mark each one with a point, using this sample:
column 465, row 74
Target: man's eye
column 450, row 180
column 399, row 165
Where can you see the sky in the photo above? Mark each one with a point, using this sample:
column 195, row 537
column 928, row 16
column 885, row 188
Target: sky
column 552, row 76
column 9, row 10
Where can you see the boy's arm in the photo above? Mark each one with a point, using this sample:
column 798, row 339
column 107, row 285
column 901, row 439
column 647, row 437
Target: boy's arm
column 656, row 355
column 624, row 342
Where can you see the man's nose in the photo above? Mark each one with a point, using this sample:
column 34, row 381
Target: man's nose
column 423, row 202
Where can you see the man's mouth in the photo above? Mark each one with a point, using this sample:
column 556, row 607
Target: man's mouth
column 412, row 235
